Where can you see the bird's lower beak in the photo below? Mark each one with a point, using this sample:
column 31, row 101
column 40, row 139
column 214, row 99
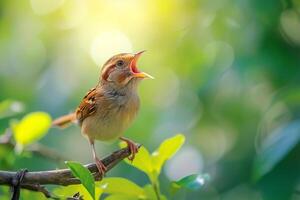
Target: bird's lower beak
column 135, row 71
column 143, row 75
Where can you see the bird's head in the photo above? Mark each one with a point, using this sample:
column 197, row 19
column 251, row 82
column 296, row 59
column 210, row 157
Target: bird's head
column 121, row 69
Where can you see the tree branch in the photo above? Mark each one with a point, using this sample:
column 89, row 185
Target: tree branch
column 34, row 180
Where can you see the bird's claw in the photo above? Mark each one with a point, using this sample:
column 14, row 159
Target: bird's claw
column 133, row 148
column 101, row 167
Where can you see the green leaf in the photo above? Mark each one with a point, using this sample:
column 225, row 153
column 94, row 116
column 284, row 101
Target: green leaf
column 84, row 175
column 31, row 128
column 5, row 192
column 152, row 164
column 68, row 191
column 150, row 193
column 32, row 195
column 9, row 108
column 276, row 147
column 193, row 182
column 120, row 197
column 142, row 160
column 166, row 150
column 122, row 186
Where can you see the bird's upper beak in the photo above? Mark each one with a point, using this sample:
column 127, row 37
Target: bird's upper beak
column 135, row 71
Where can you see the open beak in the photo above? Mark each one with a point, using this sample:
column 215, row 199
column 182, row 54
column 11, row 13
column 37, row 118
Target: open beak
column 135, row 71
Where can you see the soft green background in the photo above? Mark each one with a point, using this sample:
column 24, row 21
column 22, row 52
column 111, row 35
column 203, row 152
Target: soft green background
column 227, row 77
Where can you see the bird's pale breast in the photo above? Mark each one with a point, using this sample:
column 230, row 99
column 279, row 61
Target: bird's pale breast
column 114, row 115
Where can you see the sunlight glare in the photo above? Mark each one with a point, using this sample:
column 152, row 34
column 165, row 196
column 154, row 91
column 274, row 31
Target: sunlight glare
column 43, row 7
column 109, row 43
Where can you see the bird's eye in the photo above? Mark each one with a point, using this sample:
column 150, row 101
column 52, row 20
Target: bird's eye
column 120, row 63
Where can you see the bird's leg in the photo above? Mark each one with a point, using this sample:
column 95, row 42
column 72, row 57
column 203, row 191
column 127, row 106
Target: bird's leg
column 101, row 167
column 132, row 147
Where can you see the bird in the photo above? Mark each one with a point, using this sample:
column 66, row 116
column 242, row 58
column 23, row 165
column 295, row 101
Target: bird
column 108, row 109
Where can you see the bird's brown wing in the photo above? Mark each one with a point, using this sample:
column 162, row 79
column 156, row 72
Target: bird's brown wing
column 87, row 106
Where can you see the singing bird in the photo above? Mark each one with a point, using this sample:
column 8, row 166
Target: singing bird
column 108, row 109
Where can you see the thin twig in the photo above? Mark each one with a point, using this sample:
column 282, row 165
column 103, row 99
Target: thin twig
column 46, row 152
column 35, row 180
column 37, row 148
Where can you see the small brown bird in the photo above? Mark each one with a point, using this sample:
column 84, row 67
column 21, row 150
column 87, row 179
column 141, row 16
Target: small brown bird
column 108, row 109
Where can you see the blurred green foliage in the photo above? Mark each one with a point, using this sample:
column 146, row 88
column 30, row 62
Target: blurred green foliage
column 193, row 182
column 9, row 108
column 227, row 76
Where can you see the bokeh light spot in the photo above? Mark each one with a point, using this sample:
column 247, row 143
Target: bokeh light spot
column 187, row 161
column 43, row 7
column 290, row 24
column 109, row 43
column 219, row 54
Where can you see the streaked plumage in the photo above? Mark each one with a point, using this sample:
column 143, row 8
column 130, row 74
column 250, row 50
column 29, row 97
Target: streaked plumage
column 108, row 109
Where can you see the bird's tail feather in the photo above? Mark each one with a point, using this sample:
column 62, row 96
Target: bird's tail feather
column 64, row 121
